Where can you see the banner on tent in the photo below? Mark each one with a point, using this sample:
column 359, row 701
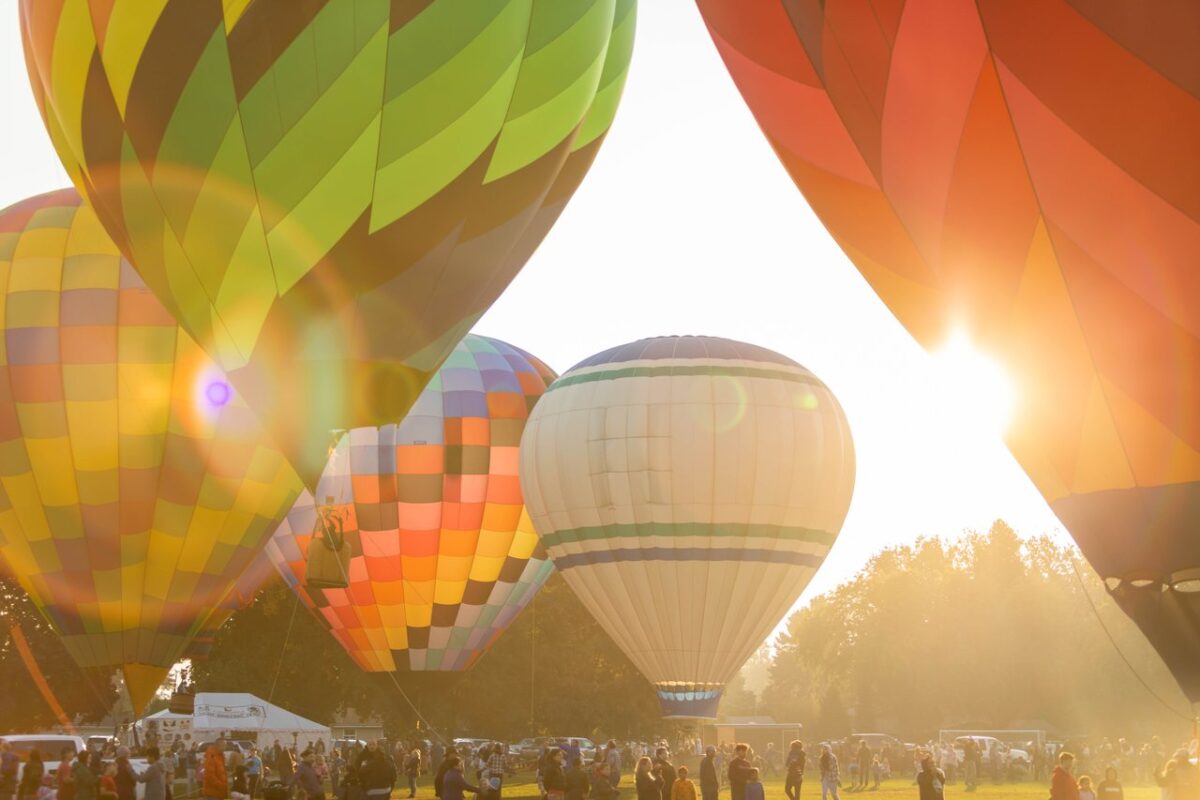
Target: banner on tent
column 245, row 712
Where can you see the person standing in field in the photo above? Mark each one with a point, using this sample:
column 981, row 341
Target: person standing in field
column 31, row 776
column 612, row 755
column 754, row 787
column 600, row 780
column 830, row 778
column 454, row 782
column 683, row 789
column 666, row 771
column 1179, row 778
column 578, row 785
column 794, row 770
column 216, row 781
column 1110, row 788
column 931, row 781
column 1062, row 783
column 647, row 780
column 9, row 766
column 155, row 776
column 554, row 778
column 970, row 763
column 710, row 780
column 739, row 772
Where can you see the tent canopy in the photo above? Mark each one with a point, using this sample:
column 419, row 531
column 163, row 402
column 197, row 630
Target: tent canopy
column 220, row 713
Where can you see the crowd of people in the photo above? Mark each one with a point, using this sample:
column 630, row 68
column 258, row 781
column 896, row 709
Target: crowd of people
column 375, row 770
column 83, row 776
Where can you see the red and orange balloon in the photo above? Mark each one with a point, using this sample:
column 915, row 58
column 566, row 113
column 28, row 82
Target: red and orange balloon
column 1029, row 170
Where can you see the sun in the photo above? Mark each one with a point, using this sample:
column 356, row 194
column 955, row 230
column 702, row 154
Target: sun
column 978, row 392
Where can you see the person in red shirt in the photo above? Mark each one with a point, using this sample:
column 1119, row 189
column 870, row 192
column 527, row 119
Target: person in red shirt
column 216, row 779
column 108, row 782
column 1062, row 783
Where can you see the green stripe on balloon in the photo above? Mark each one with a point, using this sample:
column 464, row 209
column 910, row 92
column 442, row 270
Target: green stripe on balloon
column 683, row 529
column 681, row 370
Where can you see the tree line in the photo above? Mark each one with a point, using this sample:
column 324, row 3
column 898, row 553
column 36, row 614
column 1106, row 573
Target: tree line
column 989, row 631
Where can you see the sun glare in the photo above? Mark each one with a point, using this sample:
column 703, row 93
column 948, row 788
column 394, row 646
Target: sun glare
column 978, row 391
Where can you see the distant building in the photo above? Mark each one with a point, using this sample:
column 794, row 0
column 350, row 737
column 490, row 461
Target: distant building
column 349, row 725
column 754, row 731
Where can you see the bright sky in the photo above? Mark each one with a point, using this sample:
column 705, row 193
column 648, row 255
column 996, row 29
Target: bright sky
column 688, row 224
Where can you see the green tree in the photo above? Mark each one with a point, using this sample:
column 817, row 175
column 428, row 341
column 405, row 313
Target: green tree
column 554, row 671
column 985, row 632
column 86, row 695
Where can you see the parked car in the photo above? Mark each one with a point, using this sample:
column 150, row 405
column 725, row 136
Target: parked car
column 1010, row 757
column 587, row 748
column 528, row 750
column 98, row 744
column 49, row 745
column 467, row 746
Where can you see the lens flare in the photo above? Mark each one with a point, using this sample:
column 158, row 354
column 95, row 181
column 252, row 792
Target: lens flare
column 218, row 393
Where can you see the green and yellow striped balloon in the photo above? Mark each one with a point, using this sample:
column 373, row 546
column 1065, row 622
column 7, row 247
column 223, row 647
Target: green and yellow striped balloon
column 327, row 193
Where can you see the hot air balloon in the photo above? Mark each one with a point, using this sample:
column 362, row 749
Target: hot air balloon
column 134, row 483
column 241, row 596
column 443, row 554
column 327, row 196
column 688, row 488
column 1029, row 171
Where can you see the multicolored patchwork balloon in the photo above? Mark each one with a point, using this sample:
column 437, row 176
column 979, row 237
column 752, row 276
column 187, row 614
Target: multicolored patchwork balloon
column 327, row 194
column 1028, row 170
column 134, row 483
column 688, row 488
column 443, row 553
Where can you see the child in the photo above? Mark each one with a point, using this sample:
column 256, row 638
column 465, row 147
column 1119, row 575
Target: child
column 683, row 789
column 108, row 782
column 1110, row 788
column 1085, row 788
column 754, row 789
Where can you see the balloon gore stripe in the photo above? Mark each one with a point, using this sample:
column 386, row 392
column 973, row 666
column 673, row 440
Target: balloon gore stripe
column 679, row 529
column 687, row 554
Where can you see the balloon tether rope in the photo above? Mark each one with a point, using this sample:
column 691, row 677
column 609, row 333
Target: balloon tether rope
column 1117, row 648
column 416, row 710
column 283, row 651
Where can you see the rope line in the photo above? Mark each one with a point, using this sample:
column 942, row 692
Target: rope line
column 283, row 651
column 1096, row 612
column 416, row 710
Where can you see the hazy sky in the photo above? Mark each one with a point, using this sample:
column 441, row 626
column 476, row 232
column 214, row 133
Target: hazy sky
column 687, row 224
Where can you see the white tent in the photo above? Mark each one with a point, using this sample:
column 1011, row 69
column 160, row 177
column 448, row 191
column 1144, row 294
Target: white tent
column 241, row 716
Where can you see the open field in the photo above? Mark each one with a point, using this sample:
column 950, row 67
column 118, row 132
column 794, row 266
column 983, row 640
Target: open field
column 523, row 788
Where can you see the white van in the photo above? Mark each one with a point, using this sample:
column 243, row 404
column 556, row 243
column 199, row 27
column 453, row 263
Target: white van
column 49, row 746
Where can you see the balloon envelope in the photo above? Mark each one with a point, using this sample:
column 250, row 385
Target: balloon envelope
column 241, row 596
column 443, row 553
column 1030, row 171
column 688, row 488
column 327, row 195
column 134, row 483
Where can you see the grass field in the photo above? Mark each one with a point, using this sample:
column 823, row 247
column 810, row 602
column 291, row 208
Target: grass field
column 522, row 787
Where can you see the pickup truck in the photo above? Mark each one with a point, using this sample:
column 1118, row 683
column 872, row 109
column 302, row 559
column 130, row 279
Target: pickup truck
column 1010, row 757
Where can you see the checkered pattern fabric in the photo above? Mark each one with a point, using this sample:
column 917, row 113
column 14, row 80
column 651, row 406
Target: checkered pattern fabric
column 444, row 554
